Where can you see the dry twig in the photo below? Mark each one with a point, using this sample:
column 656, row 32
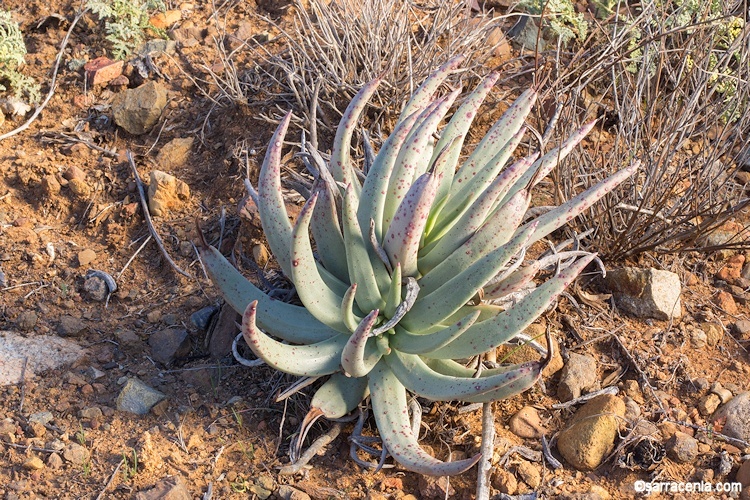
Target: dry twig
column 51, row 91
column 147, row 216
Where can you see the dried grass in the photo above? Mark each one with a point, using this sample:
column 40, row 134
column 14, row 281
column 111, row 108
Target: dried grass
column 662, row 99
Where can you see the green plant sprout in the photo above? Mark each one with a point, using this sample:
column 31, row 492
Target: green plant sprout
column 126, row 22
column 561, row 17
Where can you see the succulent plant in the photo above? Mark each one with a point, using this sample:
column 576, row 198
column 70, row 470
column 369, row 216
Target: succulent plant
column 389, row 295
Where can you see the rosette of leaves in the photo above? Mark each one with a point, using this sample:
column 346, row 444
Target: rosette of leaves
column 401, row 252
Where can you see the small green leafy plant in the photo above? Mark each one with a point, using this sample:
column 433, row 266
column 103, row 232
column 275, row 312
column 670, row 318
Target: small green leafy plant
column 12, row 52
column 403, row 251
column 560, row 17
column 126, row 22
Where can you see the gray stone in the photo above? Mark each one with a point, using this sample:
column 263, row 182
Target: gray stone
column 75, row 453
column 136, row 397
column 746, row 270
column 682, row 447
column 259, row 491
column 590, row 436
column 27, row 320
column 96, row 288
column 202, row 317
column 70, row 326
column 286, row 492
column 169, row 344
column 578, row 376
column 41, row 417
column 38, row 354
column 138, row 110
column 736, row 417
column 170, row 488
column 90, row 412
column 158, row 46
column 646, row 293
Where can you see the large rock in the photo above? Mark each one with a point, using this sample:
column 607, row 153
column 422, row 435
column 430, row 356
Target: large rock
column 646, row 293
column 735, row 417
column 138, row 110
column 38, row 353
column 591, row 434
column 165, row 192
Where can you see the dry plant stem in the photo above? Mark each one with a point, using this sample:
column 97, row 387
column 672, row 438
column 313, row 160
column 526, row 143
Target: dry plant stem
column 147, row 216
column 641, row 373
column 100, row 496
column 488, row 441
column 313, row 450
column 51, row 91
column 130, row 260
column 739, row 442
column 555, row 463
column 23, row 384
column 591, row 395
column 32, row 448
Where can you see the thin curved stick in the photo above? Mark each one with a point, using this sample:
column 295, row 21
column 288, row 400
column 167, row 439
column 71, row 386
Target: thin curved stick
column 51, row 91
column 147, row 216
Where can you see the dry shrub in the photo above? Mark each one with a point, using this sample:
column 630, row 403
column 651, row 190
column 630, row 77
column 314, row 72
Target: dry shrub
column 671, row 88
column 338, row 46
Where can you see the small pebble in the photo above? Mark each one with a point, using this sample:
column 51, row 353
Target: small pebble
column 708, row 404
column 682, row 447
column 33, row 463
column 86, row 257
column 54, row 461
column 96, row 288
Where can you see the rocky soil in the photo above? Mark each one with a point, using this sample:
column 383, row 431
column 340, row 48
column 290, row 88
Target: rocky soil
column 116, row 373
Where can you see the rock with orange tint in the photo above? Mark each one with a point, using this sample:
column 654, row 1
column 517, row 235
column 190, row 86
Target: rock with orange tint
column 165, row 193
column 102, row 70
column 732, row 269
column 164, row 20
column 590, row 436
column 726, row 303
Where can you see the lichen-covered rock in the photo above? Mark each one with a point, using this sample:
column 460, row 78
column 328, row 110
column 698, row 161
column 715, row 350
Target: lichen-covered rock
column 174, row 153
column 136, row 397
column 591, row 434
column 165, row 193
column 138, row 110
column 646, row 293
